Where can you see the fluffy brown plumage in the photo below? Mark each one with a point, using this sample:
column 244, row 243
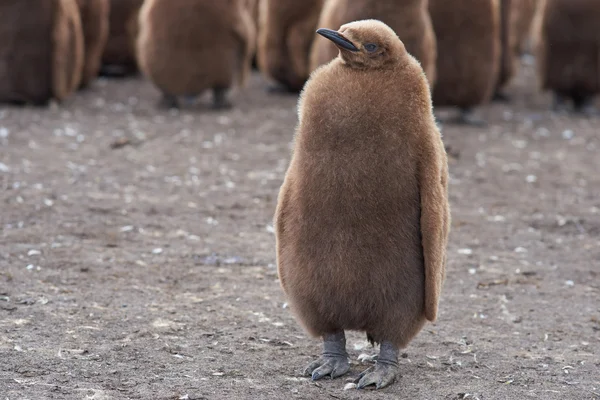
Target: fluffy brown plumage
column 41, row 50
column 286, row 31
column 408, row 18
column 195, row 45
column 568, row 55
column 118, row 58
column 468, row 51
column 94, row 21
column 362, row 217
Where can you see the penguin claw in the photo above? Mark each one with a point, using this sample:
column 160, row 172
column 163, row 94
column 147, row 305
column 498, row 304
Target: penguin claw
column 327, row 366
column 380, row 375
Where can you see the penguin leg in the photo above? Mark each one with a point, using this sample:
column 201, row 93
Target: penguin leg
column 220, row 101
column 584, row 104
column 278, row 88
column 560, row 102
column 501, row 97
column 385, row 370
column 168, row 101
column 334, row 359
column 468, row 116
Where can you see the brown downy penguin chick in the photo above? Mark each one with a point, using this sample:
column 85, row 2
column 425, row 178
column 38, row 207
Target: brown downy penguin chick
column 286, row 31
column 118, row 58
column 408, row 18
column 516, row 17
column 41, row 50
column 94, row 21
column 362, row 217
column 195, row 45
column 569, row 53
column 468, row 54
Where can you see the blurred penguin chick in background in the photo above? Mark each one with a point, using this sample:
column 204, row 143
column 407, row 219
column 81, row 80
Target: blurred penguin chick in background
column 189, row 46
column 568, row 53
column 41, row 50
column 285, row 34
column 468, row 54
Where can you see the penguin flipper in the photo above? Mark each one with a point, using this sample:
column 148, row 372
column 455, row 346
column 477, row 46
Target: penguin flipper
column 435, row 216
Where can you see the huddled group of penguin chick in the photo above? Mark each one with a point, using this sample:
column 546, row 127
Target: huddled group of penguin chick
column 362, row 218
column 467, row 48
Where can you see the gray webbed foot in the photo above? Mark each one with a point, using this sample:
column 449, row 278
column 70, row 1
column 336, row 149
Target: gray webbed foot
column 384, row 372
column 586, row 107
column 468, row 117
column 220, row 101
column 168, row 101
column 380, row 375
column 334, row 360
column 501, row 97
column 560, row 103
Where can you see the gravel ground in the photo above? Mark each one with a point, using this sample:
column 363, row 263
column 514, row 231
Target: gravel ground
column 137, row 255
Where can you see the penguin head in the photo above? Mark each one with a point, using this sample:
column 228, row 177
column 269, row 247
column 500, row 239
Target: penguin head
column 366, row 44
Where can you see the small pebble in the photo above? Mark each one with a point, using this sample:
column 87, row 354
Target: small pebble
column 350, row 386
column 567, row 134
column 158, row 250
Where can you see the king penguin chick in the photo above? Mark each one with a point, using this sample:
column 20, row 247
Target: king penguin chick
column 408, row 18
column 195, row 45
column 568, row 54
column 362, row 218
column 468, row 54
column 118, row 58
column 94, row 22
column 286, row 32
column 41, row 50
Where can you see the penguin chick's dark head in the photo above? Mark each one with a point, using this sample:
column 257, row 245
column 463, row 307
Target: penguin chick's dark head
column 366, row 44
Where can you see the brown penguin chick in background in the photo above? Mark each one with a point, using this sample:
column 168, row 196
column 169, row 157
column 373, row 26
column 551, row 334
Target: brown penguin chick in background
column 285, row 34
column 408, row 18
column 118, row 58
column 468, row 54
column 94, row 21
column 195, row 45
column 516, row 18
column 568, row 55
column 362, row 218
column 41, row 50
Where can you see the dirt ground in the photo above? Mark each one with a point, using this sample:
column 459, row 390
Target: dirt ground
column 137, row 255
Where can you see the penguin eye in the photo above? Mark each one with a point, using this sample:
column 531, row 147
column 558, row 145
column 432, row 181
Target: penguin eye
column 370, row 47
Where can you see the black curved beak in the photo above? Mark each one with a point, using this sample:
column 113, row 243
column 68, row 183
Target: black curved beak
column 337, row 39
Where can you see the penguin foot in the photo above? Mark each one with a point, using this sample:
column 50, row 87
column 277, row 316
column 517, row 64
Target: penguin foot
column 586, row 107
column 334, row 360
column 560, row 103
column 380, row 375
column 333, row 366
column 385, row 370
column 168, row 101
column 468, row 117
column 501, row 97
column 220, row 101
column 281, row 89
